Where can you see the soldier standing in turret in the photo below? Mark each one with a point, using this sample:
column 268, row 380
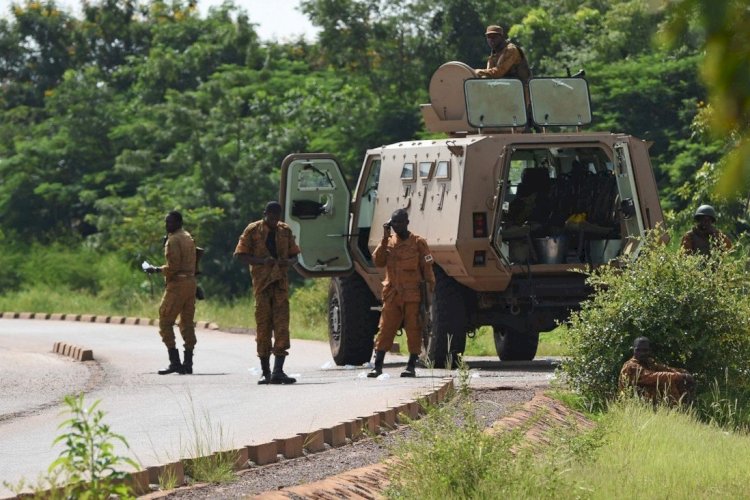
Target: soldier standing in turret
column 506, row 60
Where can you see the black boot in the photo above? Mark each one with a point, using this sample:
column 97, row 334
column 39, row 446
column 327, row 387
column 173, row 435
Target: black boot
column 187, row 363
column 278, row 376
column 410, row 370
column 379, row 358
column 265, row 368
column 174, row 362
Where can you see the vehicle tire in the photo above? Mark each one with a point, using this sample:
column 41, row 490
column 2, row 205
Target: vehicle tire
column 515, row 345
column 352, row 325
column 448, row 336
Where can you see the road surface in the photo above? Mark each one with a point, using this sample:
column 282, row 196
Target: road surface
column 164, row 418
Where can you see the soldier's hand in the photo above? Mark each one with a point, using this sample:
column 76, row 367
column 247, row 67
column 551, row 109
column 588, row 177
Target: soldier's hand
column 386, row 230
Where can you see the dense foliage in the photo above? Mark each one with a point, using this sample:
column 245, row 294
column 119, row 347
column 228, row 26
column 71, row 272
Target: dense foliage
column 139, row 107
column 695, row 310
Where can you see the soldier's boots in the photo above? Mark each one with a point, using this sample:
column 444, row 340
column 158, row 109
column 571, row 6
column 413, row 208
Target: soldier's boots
column 410, row 370
column 174, row 362
column 187, row 363
column 278, row 376
column 378, row 369
column 265, row 368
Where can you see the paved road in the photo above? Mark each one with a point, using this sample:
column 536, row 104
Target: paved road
column 164, row 417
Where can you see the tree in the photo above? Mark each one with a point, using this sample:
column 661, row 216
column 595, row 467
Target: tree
column 726, row 71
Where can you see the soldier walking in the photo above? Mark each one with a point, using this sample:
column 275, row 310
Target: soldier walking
column 408, row 262
column 268, row 246
column 179, row 294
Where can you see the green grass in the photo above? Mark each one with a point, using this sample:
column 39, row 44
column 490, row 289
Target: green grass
column 483, row 343
column 634, row 451
column 239, row 313
column 663, row 454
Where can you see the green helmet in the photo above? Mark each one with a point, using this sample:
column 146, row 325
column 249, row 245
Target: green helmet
column 705, row 210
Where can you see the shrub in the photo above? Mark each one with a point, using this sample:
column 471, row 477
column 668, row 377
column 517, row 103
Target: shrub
column 59, row 266
column 695, row 310
column 10, row 270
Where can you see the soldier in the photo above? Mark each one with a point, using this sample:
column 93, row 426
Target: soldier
column 179, row 294
column 704, row 235
column 506, row 59
column 408, row 262
column 268, row 247
column 653, row 381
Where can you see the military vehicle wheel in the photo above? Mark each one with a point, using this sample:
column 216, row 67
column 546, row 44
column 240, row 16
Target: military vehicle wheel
column 448, row 337
column 351, row 324
column 515, row 345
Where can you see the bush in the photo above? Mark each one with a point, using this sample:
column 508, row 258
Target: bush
column 10, row 270
column 62, row 267
column 695, row 310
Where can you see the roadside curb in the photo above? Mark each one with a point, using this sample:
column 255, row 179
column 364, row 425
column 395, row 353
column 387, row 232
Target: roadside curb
column 91, row 318
column 73, row 351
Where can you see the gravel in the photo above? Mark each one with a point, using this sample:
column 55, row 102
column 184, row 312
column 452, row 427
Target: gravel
column 490, row 404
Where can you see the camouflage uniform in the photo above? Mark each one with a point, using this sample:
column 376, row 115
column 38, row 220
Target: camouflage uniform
column 407, row 263
column 697, row 241
column 179, row 294
column 508, row 62
column 270, row 285
column 655, row 382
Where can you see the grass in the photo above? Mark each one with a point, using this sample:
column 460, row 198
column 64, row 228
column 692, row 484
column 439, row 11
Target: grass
column 239, row 313
column 483, row 343
column 205, row 437
column 663, row 454
column 634, row 450
column 308, row 305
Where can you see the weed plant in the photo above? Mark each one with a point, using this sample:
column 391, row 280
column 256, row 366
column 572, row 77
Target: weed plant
column 205, row 438
column 88, row 467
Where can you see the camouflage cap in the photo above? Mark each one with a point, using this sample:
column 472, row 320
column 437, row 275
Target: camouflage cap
column 494, row 30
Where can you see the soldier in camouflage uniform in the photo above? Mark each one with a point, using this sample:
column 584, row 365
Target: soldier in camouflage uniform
column 704, row 235
column 506, row 60
column 408, row 262
column 653, row 381
column 268, row 246
column 179, row 294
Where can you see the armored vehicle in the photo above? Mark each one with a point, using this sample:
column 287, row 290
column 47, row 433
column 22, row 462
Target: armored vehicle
column 514, row 201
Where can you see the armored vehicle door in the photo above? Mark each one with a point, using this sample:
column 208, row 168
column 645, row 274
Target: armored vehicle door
column 630, row 205
column 316, row 200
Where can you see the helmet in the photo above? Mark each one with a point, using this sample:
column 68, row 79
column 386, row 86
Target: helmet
column 705, row 210
column 495, row 30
